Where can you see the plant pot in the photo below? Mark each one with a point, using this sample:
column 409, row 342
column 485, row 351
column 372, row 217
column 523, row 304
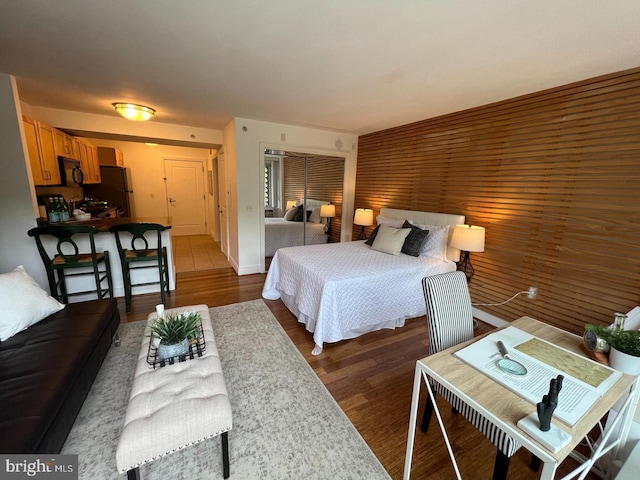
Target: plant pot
column 165, row 352
column 624, row 362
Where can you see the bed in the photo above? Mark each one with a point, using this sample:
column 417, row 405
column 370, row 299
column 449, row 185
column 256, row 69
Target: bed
column 280, row 232
column 343, row 290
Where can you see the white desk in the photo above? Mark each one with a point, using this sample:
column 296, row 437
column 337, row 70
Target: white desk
column 505, row 408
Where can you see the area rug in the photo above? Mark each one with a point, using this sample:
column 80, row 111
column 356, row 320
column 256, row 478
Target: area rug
column 286, row 425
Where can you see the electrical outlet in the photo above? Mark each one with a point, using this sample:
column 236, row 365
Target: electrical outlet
column 533, row 293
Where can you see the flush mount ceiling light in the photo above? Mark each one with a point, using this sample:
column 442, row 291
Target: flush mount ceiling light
column 132, row 111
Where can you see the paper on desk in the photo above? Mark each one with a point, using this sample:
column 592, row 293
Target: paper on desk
column 576, row 396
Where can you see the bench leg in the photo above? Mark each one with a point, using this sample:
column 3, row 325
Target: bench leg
column 225, row 454
column 133, row 474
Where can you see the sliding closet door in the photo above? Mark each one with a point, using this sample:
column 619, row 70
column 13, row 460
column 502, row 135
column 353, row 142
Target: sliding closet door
column 325, row 179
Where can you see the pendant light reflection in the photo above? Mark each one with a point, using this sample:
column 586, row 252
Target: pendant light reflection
column 132, row 111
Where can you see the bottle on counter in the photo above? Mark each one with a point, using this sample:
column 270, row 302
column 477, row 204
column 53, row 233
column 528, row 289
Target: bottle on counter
column 54, row 214
column 63, row 210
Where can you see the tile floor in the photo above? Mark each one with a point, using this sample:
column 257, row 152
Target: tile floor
column 193, row 253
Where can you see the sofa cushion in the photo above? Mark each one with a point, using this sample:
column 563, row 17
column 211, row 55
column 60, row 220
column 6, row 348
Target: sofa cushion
column 41, row 368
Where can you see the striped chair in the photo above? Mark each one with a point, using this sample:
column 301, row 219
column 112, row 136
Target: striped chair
column 450, row 321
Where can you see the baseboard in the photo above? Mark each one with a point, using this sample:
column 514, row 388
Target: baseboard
column 488, row 318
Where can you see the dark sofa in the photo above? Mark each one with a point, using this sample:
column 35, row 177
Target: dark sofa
column 46, row 372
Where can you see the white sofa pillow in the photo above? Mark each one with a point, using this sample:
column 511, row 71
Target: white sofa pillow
column 22, row 302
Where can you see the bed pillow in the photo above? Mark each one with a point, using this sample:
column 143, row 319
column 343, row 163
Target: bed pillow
column 390, row 240
column 22, row 302
column 437, row 241
column 314, row 216
column 300, row 214
column 372, row 236
column 415, row 240
column 392, row 222
column 291, row 213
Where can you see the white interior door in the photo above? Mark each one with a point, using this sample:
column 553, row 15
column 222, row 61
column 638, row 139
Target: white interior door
column 186, row 199
column 223, row 194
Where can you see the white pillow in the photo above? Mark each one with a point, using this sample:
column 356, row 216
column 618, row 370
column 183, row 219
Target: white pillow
column 390, row 239
column 437, row 241
column 290, row 214
column 315, row 215
column 22, row 303
column 392, row 222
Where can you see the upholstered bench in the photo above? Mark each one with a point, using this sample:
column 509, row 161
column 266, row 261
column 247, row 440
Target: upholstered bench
column 173, row 407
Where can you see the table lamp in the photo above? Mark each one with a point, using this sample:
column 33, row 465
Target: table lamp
column 467, row 238
column 364, row 218
column 291, row 204
column 328, row 211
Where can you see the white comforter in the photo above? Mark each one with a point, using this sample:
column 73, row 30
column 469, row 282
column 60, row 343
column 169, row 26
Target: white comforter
column 280, row 233
column 342, row 290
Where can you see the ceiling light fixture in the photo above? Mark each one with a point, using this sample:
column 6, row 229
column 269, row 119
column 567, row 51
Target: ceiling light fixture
column 132, row 111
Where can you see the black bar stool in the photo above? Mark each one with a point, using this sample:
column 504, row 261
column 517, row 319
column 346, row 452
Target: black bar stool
column 68, row 257
column 141, row 252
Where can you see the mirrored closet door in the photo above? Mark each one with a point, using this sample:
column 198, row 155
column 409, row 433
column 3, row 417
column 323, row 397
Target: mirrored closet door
column 302, row 199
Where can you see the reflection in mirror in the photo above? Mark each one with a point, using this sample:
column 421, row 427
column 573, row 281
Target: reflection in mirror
column 297, row 185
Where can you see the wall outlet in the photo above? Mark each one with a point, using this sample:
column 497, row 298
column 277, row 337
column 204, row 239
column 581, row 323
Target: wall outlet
column 533, row 293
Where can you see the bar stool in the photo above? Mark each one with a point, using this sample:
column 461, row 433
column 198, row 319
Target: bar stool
column 139, row 251
column 68, row 257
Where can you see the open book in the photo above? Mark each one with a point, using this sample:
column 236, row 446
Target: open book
column 585, row 381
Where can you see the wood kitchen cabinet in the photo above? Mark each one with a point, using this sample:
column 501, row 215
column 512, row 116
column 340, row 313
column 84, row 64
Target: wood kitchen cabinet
column 41, row 147
column 89, row 163
column 110, row 156
column 64, row 144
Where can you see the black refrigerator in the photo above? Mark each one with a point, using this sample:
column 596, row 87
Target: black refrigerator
column 115, row 189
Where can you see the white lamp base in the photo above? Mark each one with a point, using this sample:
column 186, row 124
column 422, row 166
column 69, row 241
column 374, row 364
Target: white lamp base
column 555, row 439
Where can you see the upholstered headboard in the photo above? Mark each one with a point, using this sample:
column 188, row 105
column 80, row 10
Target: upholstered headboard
column 311, row 203
column 429, row 218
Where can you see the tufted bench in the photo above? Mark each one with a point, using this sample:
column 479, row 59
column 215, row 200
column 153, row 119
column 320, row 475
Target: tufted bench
column 173, row 407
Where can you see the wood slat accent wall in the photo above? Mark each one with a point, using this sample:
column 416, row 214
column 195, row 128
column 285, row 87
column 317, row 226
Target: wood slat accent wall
column 325, row 178
column 553, row 176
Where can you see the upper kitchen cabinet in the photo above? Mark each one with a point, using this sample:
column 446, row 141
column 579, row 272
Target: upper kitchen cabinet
column 110, row 156
column 64, row 144
column 89, row 163
column 41, row 147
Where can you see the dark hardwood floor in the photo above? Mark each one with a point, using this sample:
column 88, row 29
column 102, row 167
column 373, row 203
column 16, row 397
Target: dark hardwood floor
column 371, row 378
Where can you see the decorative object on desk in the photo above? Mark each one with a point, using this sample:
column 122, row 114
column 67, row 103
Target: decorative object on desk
column 467, row 238
column 507, row 364
column 364, row 218
column 175, row 332
column 328, row 211
column 549, row 403
column 624, row 352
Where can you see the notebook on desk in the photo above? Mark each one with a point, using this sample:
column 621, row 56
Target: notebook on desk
column 585, row 381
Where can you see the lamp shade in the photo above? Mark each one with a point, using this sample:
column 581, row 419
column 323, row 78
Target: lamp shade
column 132, row 111
column 291, row 204
column 469, row 238
column 363, row 216
column 328, row 211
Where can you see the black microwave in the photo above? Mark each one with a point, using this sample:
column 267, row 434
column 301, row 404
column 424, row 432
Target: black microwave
column 70, row 172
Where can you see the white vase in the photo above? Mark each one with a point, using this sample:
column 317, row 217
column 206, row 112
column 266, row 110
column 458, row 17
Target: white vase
column 624, row 362
column 165, row 352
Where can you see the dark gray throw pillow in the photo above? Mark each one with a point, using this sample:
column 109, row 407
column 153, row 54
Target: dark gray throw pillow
column 415, row 240
column 372, row 237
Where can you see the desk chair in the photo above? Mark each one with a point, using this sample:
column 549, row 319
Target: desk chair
column 68, row 257
column 140, row 255
column 450, row 321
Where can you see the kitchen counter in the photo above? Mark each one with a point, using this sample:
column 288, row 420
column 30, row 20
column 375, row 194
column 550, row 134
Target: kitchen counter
column 107, row 243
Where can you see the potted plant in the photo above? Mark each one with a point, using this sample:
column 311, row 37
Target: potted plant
column 175, row 332
column 624, row 354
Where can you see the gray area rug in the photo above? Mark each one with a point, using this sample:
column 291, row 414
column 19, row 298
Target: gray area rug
column 286, row 425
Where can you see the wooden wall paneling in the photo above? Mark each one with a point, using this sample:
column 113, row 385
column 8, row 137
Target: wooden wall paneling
column 553, row 176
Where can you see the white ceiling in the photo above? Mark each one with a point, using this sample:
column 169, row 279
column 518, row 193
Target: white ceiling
column 353, row 65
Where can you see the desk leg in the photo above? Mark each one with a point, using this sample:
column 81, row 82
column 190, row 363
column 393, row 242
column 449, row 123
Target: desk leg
column 548, row 470
column 415, row 399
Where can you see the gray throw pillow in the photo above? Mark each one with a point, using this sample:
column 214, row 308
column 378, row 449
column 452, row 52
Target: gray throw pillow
column 415, row 240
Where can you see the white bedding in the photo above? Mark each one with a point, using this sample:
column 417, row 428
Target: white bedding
column 281, row 233
column 343, row 290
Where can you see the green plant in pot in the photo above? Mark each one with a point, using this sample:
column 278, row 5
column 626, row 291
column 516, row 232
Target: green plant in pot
column 625, row 346
column 175, row 332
